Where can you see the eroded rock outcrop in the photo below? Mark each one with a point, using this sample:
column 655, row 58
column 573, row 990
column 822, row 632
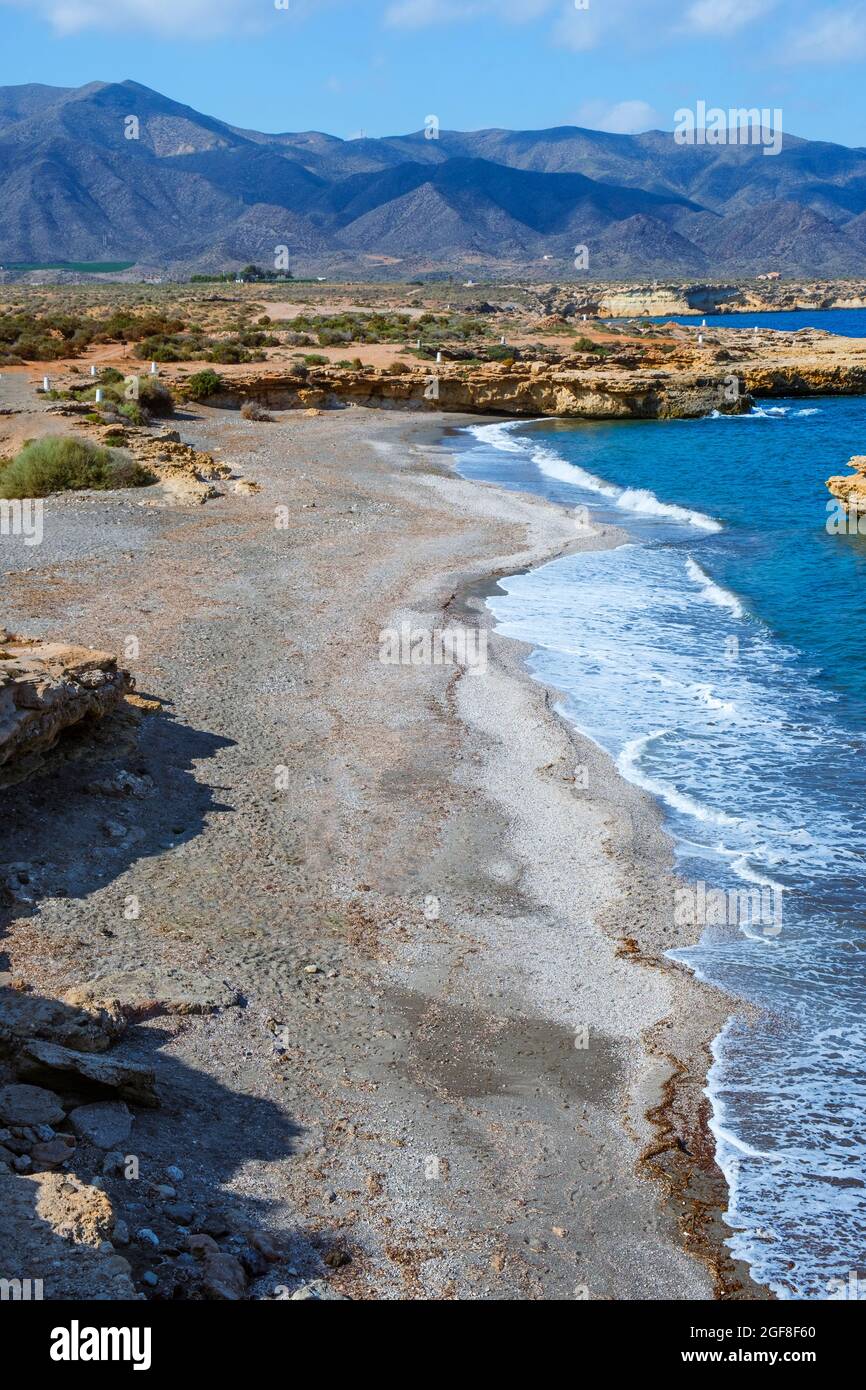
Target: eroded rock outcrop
column 850, row 488
column 45, row 688
column 610, row 392
column 672, row 373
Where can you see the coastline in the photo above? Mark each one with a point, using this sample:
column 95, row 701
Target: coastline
column 469, row 1057
column 669, row 1113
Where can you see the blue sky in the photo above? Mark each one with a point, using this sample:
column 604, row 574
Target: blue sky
column 383, row 66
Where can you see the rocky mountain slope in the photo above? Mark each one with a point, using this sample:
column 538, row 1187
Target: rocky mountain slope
column 115, row 171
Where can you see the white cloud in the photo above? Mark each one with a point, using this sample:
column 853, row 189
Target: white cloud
column 720, row 17
column 623, row 118
column 423, row 14
column 836, row 38
column 189, row 19
column 624, row 23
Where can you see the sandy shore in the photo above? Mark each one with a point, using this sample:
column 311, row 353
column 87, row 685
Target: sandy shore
column 454, row 1017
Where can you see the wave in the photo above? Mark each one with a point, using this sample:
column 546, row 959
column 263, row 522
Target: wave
column 647, row 504
column 713, row 592
column 497, row 436
column 760, row 412
column 628, row 764
column 638, row 501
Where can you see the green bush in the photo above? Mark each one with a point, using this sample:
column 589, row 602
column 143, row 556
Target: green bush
column 228, row 353
column 154, row 397
column 58, row 463
column 203, row 384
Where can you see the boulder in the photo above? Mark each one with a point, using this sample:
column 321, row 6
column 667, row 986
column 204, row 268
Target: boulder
column 106, row 1124
column 45, row 688
column 320, row 1291
column 132, row 1081
column 51, row 1231
column 25, row 1016
column 29, row 1105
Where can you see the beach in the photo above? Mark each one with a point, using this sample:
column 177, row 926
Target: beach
column 458, row 1065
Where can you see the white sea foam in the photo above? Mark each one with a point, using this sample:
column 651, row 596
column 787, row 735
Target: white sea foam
column 635, row 638
column 639, row 501
column 713, row 592
column 628, row 764
column 498, row 436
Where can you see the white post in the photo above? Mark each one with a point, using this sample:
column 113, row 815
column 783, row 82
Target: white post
column 153, row 369
column 700, row 340
column 98, row 395
column 439, row 357
column 46, row 383
column 92, row 370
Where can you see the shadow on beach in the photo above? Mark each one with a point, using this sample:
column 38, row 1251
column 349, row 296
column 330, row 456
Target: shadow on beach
column 57, row 841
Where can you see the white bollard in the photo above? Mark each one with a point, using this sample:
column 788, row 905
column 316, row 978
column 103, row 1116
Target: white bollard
column 700, row 340
column 439, row 357
column 153, row 369
column 46, row 383
column 93, row 370
column 99, row 395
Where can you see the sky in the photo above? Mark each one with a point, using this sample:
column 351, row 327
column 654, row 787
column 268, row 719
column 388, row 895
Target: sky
column 381, row 67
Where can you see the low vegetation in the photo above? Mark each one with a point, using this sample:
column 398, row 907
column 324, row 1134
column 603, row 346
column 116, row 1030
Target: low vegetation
column 202, row 384
column 58, row 463
column 251, row 410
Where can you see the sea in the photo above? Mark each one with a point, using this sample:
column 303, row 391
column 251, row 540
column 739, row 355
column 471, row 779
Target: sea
column 849, row 323
column 718, row 656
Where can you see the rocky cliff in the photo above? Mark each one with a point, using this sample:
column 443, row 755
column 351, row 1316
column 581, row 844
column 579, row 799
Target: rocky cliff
column 850, row 488
column 45, row 688
column 523, row 389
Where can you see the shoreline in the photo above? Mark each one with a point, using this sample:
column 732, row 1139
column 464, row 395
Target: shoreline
column 414, row 1038
column 682, row 1156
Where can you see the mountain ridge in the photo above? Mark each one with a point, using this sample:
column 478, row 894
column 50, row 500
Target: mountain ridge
column 117, row 171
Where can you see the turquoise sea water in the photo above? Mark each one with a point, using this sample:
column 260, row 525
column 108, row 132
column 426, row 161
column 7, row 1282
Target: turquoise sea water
column 718, row 657
column 849, row 323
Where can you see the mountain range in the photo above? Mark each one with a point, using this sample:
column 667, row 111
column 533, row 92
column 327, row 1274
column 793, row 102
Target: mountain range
column 117, row 172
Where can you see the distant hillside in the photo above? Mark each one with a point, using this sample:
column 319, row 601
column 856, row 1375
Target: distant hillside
column 191, row 192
